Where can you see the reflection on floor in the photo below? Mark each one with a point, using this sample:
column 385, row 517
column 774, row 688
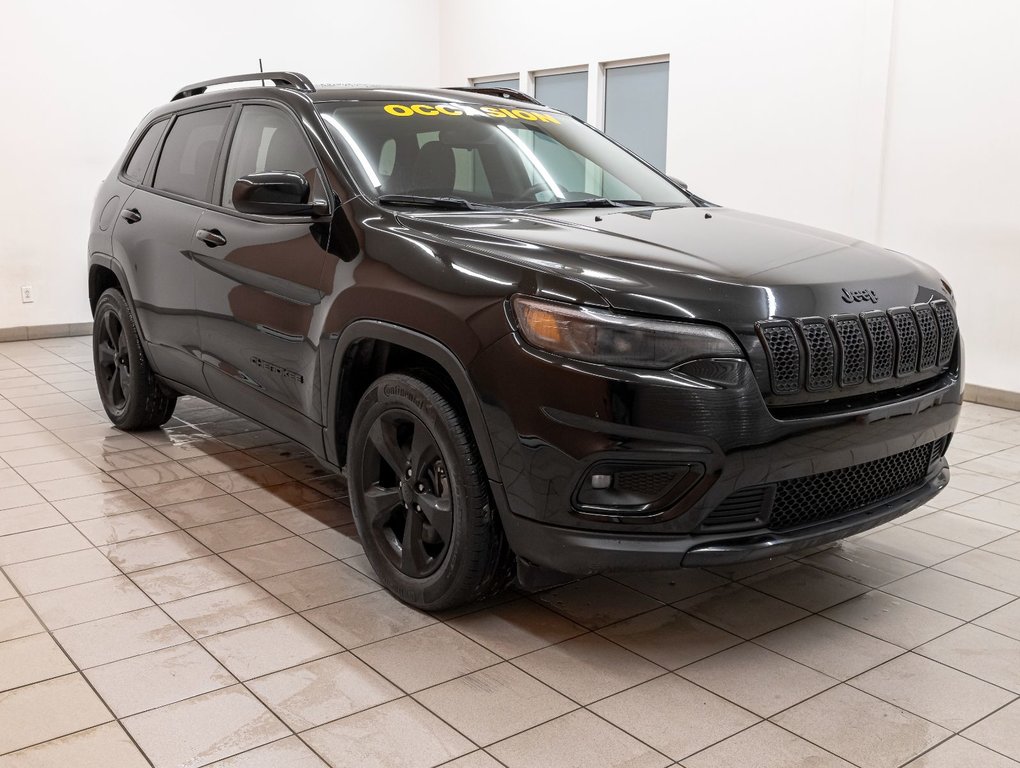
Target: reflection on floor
column 198, row 594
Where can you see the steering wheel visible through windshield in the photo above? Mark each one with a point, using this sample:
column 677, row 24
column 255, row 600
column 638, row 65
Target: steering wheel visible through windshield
column 487, row 155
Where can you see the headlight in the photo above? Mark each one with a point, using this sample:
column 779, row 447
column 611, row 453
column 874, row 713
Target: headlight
column 600, row 336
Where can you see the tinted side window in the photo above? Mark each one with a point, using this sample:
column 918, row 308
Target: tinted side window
column 186, row 162
column 267, row 139
column 135, row 168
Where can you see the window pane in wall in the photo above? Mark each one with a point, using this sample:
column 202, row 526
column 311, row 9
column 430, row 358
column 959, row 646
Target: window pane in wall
column 514, row 83
column 636, row 99
column 568, row 92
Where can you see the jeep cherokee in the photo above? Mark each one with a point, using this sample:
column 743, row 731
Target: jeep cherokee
column 528, row 349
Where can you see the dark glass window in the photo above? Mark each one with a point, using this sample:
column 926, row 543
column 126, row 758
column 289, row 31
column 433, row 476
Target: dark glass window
column 267, row 139
column 186, row 162
column 139, row 162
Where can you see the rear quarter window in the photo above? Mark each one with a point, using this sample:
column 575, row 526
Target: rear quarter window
column 134, row 169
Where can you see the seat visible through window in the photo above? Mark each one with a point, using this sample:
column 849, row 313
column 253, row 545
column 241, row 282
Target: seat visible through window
column 267, row 139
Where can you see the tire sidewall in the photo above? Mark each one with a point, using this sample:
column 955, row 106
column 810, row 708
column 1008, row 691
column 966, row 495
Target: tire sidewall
column 113, row 300
column 397, row 391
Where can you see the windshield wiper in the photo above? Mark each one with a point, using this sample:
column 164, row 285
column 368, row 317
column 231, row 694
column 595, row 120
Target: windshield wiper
column 590, row 202
column 425, row 201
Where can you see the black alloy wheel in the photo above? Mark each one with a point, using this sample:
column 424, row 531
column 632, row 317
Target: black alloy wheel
column 420, row 496
column 131, row 395
column 408, row 500
column 113, row 369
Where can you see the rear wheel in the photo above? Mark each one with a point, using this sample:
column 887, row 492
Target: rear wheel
column 128, row 389
column 420, row 497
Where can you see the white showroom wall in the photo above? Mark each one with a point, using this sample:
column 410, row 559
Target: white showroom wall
column 775, row 107
column 897, row 121
column 951, row 182
column 78, row 77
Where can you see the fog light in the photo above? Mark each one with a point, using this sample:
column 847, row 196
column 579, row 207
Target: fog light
column 634, row 488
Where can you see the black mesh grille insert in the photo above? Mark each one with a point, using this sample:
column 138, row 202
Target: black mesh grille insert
column 883, row 346
column 947, row 330
column 905, row 328
column 853, row 350
column 929, row 336
column 783, row 352
column 828, row 495
column 644, row 483
column 821, row 354
column 745, row 508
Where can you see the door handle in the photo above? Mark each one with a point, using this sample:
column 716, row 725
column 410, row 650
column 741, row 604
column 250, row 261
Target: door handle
column 131, row 215
column 211, row 237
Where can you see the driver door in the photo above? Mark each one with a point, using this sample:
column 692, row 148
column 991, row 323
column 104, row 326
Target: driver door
column 259, row 282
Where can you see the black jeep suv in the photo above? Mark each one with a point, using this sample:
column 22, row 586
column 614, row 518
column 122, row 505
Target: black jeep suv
column 526, row 346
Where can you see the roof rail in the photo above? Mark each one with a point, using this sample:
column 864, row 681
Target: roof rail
column 282, row 79
column 503, row 93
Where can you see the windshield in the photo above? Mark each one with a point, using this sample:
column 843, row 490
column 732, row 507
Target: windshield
column 488, row 155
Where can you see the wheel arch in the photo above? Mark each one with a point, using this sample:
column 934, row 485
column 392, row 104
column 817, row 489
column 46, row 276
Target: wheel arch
column 369, row 348
column 104, row 273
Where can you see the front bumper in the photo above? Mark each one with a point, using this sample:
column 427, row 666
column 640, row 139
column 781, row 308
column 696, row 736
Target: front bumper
column 580, row 552
column 552, row 421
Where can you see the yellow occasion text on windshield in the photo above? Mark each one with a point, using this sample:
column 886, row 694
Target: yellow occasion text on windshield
column 461, row 110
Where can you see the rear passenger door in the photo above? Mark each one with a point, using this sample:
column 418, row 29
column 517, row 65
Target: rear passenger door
column 155, row 231
column 259, row 281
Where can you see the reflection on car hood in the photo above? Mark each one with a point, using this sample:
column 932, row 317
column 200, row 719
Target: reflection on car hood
column 710, row 263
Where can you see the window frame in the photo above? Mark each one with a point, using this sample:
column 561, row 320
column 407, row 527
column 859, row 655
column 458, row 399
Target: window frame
column 231, row 109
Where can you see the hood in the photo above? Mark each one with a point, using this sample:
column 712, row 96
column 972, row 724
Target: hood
column 712, row 264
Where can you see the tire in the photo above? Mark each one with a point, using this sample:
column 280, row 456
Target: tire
column 128, row 389
column 421, row 499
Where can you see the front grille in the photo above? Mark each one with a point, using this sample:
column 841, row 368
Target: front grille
column 929, row 336
column 844, row 351
column 825, row 496
column 853, row 350
column 821, row 354
column 947, row 331
column 882, row 344
column 907, row 337
column 783, row 353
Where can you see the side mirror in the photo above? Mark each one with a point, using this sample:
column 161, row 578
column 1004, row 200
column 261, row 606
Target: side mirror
column 274, row 193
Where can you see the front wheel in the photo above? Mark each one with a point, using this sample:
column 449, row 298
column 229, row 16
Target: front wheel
column 128, row 389
column 420, row 497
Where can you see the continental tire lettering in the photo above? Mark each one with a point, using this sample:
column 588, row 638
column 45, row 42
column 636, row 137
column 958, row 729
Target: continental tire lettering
column 399, row 110
column 395, row 390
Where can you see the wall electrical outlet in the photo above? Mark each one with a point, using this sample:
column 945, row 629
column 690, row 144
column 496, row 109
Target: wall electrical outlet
column 27, row 294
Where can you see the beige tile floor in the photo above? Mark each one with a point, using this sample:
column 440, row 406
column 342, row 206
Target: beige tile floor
column 197, row 595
